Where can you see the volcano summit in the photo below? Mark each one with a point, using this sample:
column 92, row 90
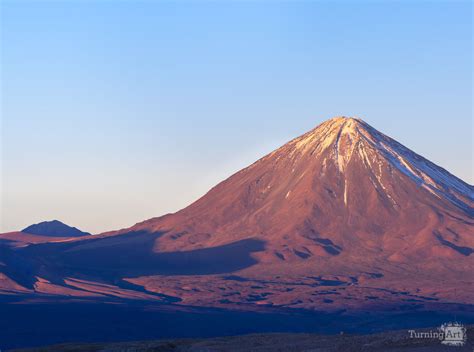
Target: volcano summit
column 340, row 217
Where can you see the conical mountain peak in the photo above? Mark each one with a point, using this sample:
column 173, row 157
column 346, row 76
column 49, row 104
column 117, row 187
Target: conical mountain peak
column 337, row 138
column 331, row 131
column 343, row 169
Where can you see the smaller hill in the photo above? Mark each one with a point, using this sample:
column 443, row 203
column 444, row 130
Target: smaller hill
column 54, row 228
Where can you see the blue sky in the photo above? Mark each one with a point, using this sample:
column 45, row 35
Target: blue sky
column 115, row 112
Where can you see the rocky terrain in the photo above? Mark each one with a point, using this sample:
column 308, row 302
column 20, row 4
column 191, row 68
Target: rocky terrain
column 398, row 341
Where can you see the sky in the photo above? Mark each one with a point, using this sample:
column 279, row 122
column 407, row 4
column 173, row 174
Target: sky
column 113, row 112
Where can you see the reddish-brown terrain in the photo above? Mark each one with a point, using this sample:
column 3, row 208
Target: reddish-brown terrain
column 342, row 217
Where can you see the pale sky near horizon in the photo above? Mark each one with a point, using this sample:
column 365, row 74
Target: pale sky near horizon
column 116, row 112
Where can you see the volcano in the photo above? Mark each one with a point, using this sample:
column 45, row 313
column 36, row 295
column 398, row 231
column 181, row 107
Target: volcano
column 342, row 184
column 342, row 216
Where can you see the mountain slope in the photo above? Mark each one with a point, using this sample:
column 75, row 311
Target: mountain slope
column 342, row 203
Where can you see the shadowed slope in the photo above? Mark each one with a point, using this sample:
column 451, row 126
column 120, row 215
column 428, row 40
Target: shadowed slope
column 109, row 260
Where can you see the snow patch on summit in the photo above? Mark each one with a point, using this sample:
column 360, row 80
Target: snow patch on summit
column 344, row 136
